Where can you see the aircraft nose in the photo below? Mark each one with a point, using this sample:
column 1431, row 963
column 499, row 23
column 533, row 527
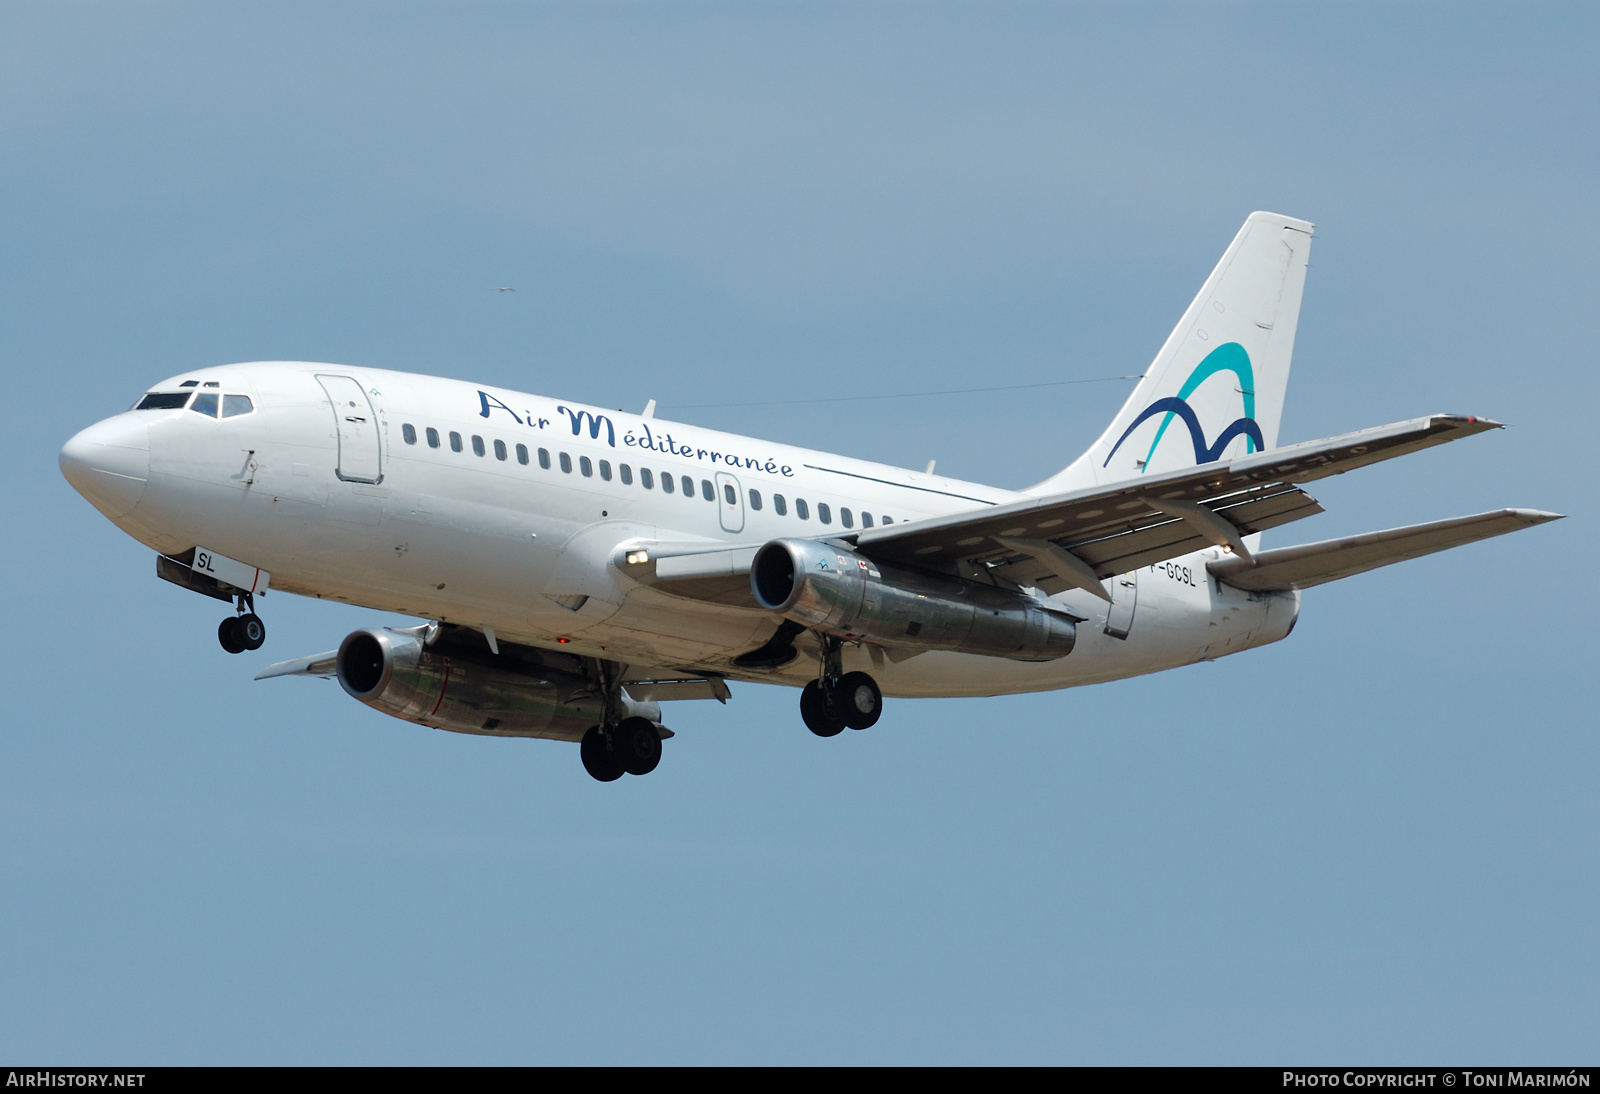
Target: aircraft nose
column 109, row 462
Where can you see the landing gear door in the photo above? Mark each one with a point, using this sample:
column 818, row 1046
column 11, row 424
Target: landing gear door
column 730, row 502
column 360, row 459
column 1124, row 590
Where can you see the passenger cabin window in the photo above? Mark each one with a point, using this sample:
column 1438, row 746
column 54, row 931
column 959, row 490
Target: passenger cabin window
column 755, row 500
column 409, row 433
column 666, row 484
column 688, row 487
column 780, row 506
column 824, row 514
column 866, row 520
column 566, row 463
column 645, row 478
column 163, row 400
column 605, row 470
column 544, row 458
column 499, row 449
column 845, row 518
column 801, row 510
column 455, row 441
column 706, row 490
column 888, row 520
column 586, row 466
column 522, row 454
column 433, row 437
column 477, row 445
column 205, row 403
column 627, row 474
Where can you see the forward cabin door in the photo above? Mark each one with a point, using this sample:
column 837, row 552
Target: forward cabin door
column 360, row 459
column 1124, row 590
column 730, row 502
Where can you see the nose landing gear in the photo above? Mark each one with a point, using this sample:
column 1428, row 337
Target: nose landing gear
column 243, row 631
column 835, row 700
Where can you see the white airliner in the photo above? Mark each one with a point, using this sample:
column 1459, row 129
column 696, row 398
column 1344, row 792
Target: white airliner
column 576, row 567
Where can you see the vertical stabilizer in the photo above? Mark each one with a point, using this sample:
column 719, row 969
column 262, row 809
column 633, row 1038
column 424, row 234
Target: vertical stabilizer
column 1216, row 388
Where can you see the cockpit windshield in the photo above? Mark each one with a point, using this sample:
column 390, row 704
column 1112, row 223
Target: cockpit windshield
column 164, row 400
column 206, row 402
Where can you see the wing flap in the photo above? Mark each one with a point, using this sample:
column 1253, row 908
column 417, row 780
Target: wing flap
column 1315, row 563
column 661, row 691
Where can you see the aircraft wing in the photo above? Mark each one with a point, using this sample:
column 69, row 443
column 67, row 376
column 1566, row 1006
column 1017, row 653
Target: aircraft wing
column 318, row 664
column 1077, row 538
column 716, row 575
column 1311, row 564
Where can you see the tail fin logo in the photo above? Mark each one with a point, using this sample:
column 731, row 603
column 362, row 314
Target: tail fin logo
column 1228, row 357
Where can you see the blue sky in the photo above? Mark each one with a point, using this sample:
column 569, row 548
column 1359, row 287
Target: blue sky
column 1372, row 842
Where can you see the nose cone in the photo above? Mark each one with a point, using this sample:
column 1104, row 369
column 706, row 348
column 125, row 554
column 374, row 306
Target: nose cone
column 109, row 462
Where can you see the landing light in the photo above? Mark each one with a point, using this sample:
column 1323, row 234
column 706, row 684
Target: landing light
column 637, row 557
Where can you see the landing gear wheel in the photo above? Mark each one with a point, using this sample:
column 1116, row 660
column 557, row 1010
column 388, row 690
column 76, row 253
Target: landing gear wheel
column 597, row 760
column 858, row 700
column 820, row 711
column 230, row 632
column 253, row 631
column 638, row 745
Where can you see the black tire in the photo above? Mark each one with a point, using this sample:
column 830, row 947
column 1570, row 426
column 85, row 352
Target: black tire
column 638, row 745
column 858, row 700
column 597, row 759
column 230, row 632
column 819, row 712
column 253, row 631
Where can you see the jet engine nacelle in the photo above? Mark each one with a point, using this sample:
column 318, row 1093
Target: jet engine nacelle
column 451, row 685
column 845, row 594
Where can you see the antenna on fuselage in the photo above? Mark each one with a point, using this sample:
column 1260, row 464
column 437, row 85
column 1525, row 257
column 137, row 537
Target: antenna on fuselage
column 929, row 471
column 649, row 409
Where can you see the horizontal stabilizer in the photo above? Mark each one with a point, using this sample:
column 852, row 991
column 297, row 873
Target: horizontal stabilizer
column 320, row 664
column 1315, row 563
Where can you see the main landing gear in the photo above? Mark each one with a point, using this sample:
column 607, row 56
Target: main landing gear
column 839, row 700
column 243, row 631
column 621, row 745
column 632, row 747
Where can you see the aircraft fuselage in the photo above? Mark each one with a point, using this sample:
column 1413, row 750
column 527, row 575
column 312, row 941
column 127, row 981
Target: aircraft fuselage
column 486, row 507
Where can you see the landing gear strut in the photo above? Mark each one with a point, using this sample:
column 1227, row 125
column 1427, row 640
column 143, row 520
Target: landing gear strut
column 838, row 700
column 243, row 631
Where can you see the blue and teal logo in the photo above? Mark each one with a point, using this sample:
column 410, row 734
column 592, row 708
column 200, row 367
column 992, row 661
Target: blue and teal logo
column 1228, row 357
